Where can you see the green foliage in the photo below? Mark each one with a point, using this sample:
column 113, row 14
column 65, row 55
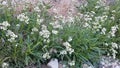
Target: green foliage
column 35, row 36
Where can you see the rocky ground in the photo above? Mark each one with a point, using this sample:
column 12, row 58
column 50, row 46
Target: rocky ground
column 109, row 62
column 106, row 62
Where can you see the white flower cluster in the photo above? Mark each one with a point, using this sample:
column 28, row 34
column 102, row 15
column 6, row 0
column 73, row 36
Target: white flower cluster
column 46, row 40
column 55, row 32
column 56, row 25
column 96, row 26
column 101, row 18
column 68, row 47
column 5, row 65
column 37, row 9
column 4, row 25
column 113, row 30
column 101, row 2
column 39, row 20
column 44, row 33
column 71, row 63
column 106, row 44
column 46, row 56
column 103, row 31
column 70, row 19
column 63, row 52
column 23, row 17
column 114, row 52
column 113, row 18
column 87, row 17
column 97, row 6
column 113, row 48
column 34, row 30
column 113, row 15
column 86, row 25
column 11, row 35
column 114, row 45
column 107, row 8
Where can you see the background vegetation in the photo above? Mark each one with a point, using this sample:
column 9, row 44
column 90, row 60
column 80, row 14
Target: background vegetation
column 36, row 37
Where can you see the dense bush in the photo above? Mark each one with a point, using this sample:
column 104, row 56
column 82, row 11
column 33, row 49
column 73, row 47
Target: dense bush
column 36, row 37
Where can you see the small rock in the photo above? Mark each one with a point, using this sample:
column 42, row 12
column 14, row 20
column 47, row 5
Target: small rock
column 53, row 63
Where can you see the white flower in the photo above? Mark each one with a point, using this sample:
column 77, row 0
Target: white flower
column 107, row 7
column 5, row 65
column 44, row 46
column 68, row 47
column 113, row 11
column 112, row 34
column 34, row 29
column 114, row 53
column 103, row 31
column 54, row 31
column 96, row 26
column 88, row 19
column 55, row 10
column 44, row 33
column 70, row 50
column 70, row 19
column 11, row 39
column 39, row 21
column 101, row 2
column 93, row 12
column 47, row 40
column 56, row 24
column 86, row 25
column 38, row 16
column 44, row 27
column 71, row 63
column 63, row 52
column 4, row 25
column 113, row 30
column 22, row 17
column 66, row 44
column 69, row 39
column 11, row 35
column 114, row 45
column 37, row 9
column 32, row 32
column 106, row 44
column 113, row 18
column 18, row 25
column 46, row 56
column 16, row 45
column 97, row 7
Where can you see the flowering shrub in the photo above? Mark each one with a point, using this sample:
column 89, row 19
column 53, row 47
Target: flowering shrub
column 36, row 37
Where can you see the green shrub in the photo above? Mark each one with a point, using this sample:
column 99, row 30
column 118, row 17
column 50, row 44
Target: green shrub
column 36, row 37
